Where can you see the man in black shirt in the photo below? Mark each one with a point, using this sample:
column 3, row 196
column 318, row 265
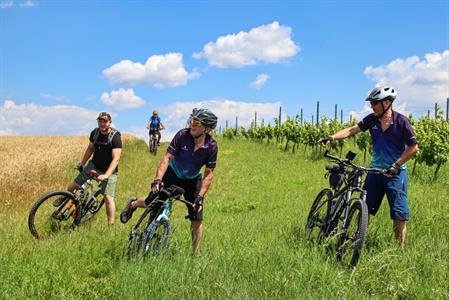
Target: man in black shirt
column 105, row 143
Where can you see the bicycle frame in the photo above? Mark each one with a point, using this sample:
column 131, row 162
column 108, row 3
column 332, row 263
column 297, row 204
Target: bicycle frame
column 147, row 236
column 165, row 211
column 344, row 199
column 344, row 195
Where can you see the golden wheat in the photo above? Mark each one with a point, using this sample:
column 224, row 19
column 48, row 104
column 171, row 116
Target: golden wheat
column 33, row 165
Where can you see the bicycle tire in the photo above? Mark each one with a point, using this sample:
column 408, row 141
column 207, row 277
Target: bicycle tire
column 45, row 219
column 135, row 239
column 154, row 146
column 150, row 144
column 157, row 237
column 317, row 218
column 355, row 240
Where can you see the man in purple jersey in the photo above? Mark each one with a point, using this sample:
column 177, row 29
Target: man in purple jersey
column 394, row 143
column 190, row 150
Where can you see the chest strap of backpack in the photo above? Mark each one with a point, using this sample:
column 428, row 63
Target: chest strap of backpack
column 110, row 136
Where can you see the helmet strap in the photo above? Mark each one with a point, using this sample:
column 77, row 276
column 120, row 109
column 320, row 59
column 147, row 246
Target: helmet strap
column 384, row 109
column 199, row 136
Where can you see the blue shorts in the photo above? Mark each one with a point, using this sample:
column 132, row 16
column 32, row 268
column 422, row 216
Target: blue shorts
column 377, row 185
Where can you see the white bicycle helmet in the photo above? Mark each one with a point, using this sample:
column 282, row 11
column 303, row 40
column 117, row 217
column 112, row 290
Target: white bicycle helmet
column 382, row 93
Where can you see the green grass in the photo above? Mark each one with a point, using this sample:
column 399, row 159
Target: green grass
column 253, row 245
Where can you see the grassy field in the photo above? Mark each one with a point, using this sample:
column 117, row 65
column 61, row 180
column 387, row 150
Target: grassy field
column 253, row 245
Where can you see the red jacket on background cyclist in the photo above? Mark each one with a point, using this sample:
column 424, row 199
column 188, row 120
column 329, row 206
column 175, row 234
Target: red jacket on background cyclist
column 394, row 143
column 105, row 144
column 155, row 125
column 190, row 150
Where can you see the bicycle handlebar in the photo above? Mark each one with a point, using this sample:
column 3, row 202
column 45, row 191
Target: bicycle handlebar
column 92, row 173
column 349, row 163
column 172, row 192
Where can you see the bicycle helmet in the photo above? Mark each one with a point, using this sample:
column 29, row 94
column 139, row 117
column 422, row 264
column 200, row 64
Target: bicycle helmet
column 382, row 93
column 206, row 117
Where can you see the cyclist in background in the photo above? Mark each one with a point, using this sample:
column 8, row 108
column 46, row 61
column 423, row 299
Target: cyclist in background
column 190, row 150
column 394, row 143
column 105, row 143
column 155, row 125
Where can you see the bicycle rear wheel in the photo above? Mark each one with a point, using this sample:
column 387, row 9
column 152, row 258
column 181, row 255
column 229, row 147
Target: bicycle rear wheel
column 157, row 238
column 46, row 220
column 353, row 233
column 136, row 236
column 317, row 219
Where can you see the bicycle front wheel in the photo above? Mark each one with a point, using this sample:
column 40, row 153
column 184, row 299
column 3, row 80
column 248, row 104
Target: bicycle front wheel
column 46, row 219
column 353, row 233
column 154, row 146
column 318, row 215
column 157, row 238
column 136, row 236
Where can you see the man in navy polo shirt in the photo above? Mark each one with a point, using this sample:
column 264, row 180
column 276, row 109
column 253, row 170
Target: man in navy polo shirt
column 190, row 150
column 394, row 143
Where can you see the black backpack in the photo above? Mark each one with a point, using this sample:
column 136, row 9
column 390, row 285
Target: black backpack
column 110, row 137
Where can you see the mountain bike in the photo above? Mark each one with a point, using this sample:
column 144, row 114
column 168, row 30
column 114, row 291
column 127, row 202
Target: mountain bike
column 340, row 212
column 75, row 208
column 152, row 232
column 153, row 143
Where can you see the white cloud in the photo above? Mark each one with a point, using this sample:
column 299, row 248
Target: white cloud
column 34, row 119
column 28, row 4
column 161, row 71
column 122, row 99
column 6, row 4
column 270, row 43
column 53, row 97
column 175, row 116
column 260, row 81
column 419, row 83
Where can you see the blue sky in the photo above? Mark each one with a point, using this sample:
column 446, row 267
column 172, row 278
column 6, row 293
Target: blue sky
column 61, row 62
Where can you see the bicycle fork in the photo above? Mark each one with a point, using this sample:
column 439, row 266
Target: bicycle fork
column 348, row 206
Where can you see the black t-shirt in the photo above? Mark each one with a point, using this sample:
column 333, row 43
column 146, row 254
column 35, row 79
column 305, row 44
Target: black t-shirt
column 102, row 151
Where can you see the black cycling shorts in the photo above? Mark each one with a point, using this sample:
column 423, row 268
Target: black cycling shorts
column 154, row 131
column 191, row 188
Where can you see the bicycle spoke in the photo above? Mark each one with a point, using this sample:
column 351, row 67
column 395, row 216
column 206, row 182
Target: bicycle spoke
column 353, row 236
column 316, row 221
column 46, row 220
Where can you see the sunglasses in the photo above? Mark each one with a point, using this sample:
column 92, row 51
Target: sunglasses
column 195, row 123
column 374, row 103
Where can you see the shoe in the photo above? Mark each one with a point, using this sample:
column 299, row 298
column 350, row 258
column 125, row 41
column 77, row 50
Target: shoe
column 127, row 212
column 59, row 201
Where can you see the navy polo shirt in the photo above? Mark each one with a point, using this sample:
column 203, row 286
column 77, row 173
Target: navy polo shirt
column 389, row 145
column 187, row 163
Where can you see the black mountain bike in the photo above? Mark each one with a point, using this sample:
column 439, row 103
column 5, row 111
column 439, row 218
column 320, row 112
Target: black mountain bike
column 46, row 219
column 152, row 233
column 340, row 212
column 153, row 143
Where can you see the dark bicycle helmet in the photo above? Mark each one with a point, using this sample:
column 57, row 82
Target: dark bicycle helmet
column 206, row 117
column 382, row 93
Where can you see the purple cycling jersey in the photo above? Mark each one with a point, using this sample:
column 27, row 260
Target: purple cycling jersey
column 187, row 163
column 388, row 145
